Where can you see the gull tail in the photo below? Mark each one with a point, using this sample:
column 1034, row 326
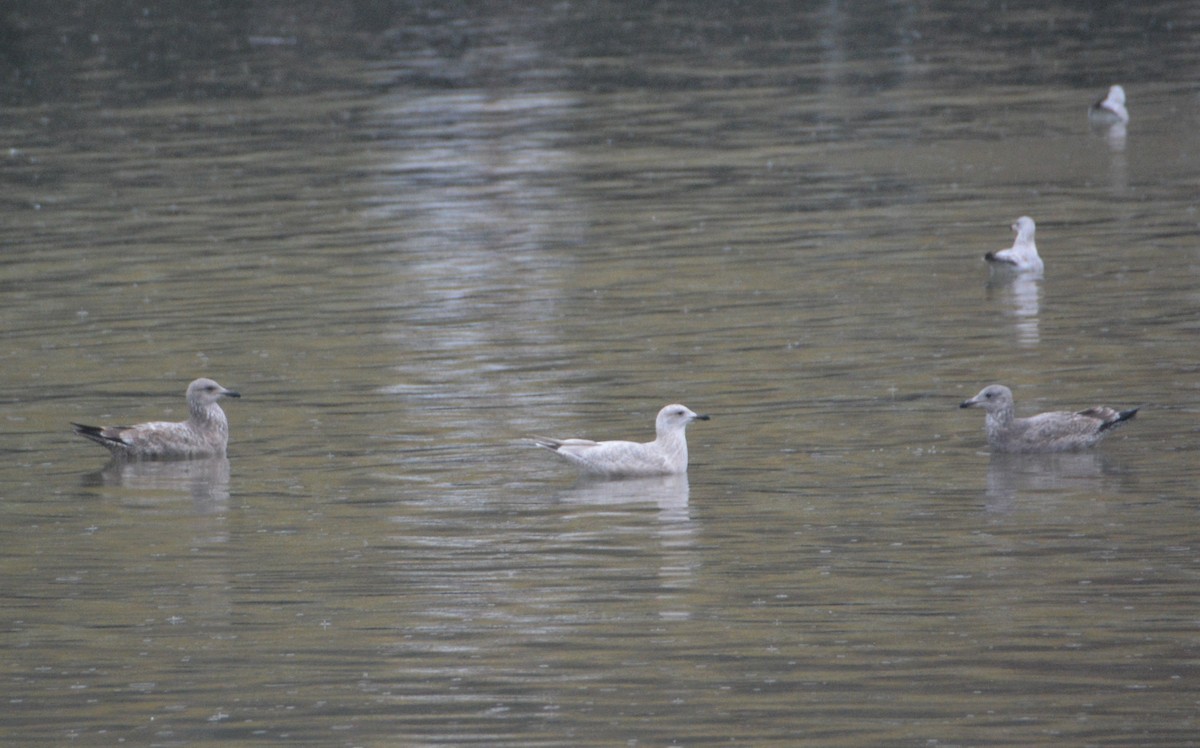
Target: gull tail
column 1122, row 417
column 98, row 434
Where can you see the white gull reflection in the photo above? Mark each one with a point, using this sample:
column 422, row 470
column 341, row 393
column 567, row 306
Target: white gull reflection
column 668, row 492
column 1023, row 292
column 1115, row 136
column 675, row 531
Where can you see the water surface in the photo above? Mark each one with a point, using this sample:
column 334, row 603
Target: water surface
column 412, row 237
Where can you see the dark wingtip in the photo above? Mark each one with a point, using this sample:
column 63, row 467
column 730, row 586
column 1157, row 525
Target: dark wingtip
column 1122, row 417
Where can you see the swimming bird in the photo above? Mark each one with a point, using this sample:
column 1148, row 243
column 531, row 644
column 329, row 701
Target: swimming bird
column 204, row 434
column 1111, row 109
column 666, row 455
column 1046, row 432
column 1023, row 254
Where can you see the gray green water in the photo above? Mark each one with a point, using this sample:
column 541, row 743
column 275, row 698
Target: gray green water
column 412, row 236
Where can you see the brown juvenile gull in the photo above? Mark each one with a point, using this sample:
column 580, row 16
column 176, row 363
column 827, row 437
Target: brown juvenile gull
column 666, row 455
column 1111, row 109
column 1023, row 254
column 1046, row 432
column 204, row 434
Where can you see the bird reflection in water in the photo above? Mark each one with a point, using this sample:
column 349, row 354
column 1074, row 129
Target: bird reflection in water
column 668, row 492
column 1011, row 475
column 675, row 532
column 206, row 481
column 1023, row 292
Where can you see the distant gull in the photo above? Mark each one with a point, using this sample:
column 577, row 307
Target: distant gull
column 666, row 455
column 1023, row 254
column 1111, row 109
column 1046, row 432
column 204, row 434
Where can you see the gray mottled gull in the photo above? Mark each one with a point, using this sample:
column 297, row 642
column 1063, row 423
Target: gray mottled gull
column 1111, row 109
column 1046, row 432
column 1023, row 254
column 204, row 434
column 666, row 455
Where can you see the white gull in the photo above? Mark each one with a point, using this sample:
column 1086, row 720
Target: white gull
column 1046, row 432
column 666, row 455
column 1023, row 254
column 204, row 434
column 1111, row 109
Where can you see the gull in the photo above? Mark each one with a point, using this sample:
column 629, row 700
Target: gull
column 204, row 434
column 1057, row 431
column 666, row 455
column 1023, row 254
column 1111, row 109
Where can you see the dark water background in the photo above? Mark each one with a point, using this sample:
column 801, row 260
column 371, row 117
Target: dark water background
column 412, row 234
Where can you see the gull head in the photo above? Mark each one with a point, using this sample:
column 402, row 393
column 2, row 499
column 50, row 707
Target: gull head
column 675, row 417
column 993, row 398
column 205, row 392
column 1025, row 228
